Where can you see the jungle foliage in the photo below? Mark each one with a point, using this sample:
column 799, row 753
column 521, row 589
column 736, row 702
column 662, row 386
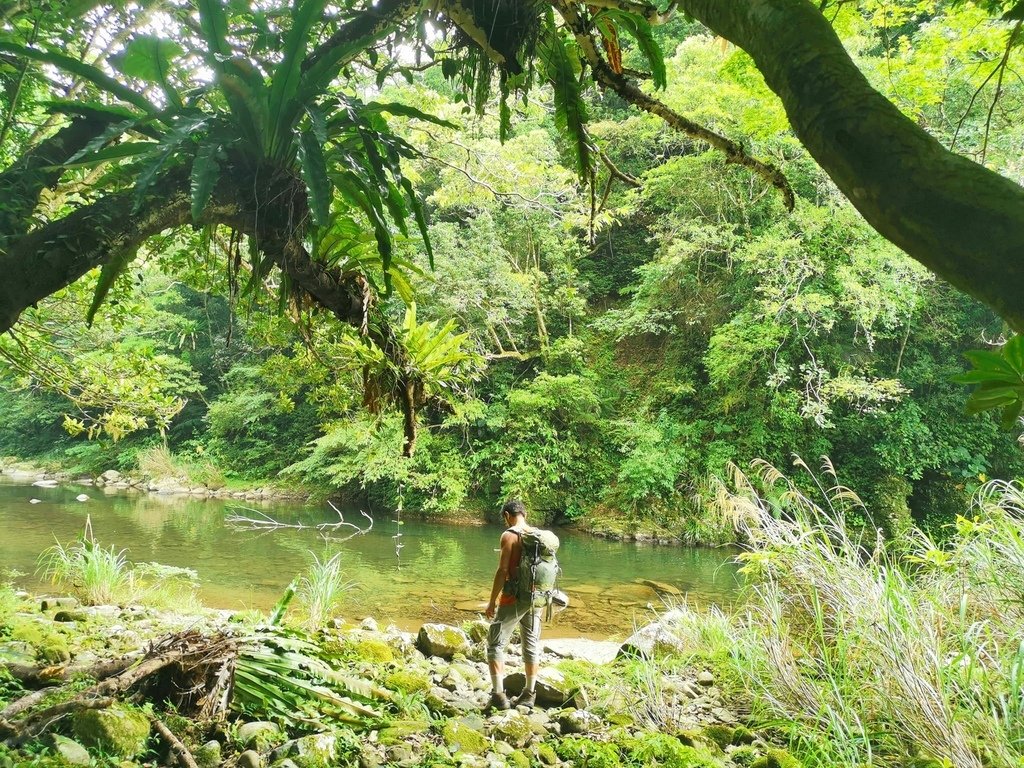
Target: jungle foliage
column 604, row 346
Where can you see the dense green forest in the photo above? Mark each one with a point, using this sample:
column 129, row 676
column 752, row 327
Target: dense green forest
column 602, row 347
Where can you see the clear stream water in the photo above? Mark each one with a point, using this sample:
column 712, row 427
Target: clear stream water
column 444, row 572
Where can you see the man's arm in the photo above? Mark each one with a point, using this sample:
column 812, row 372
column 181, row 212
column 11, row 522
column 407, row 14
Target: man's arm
column 500, row 575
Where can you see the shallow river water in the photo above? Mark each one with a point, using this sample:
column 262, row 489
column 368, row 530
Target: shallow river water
column 444, row 572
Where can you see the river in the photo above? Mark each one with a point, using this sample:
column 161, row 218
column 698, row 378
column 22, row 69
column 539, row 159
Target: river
column 443, row 572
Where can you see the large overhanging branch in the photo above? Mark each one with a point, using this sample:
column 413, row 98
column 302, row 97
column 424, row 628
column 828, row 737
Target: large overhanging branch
column 959, row 219
column 628, row 91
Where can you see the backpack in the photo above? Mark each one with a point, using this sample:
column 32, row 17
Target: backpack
column 538, row 567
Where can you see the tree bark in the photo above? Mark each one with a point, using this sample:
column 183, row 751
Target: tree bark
column 962, row 221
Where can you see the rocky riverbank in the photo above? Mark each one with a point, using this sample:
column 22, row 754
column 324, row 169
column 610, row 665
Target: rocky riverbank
column 74, row 695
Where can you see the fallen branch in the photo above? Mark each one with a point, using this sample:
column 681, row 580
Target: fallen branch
column 178, row 749
column 37, row 723
column 15, row 708
column 264, row 522
column 33, row 677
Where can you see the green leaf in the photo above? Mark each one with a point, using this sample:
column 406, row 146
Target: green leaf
column 109, row 273
column 1013, row 353
column 570, row 110
column 108, row 154
column 97, row 77
column 214, row 25
column 204, row 176
column 640, row 30
column 314, row 171
column 286, row 77
column 148, row 58
column 421, row 219
column 403, row 110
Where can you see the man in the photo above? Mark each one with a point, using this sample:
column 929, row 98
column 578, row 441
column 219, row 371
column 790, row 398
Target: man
column 505, row 611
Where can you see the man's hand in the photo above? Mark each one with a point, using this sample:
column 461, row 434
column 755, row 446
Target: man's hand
column 489, row 613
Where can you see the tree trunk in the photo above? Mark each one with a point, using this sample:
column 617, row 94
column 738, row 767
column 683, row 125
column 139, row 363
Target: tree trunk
column 959, row 219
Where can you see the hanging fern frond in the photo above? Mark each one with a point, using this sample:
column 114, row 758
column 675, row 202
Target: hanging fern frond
column 639, row 29
column 570, row 109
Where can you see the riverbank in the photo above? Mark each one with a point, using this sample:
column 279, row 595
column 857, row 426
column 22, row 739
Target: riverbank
column 348, row 694
column 602, row 523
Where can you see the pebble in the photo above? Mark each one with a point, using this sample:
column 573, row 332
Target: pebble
column 249, row 759
column 705, row 678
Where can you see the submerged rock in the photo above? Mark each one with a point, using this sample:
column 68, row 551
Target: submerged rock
column 117, row 730
column 442, row 640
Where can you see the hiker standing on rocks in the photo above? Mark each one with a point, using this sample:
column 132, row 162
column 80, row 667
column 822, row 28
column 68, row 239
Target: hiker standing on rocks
column 506, row 609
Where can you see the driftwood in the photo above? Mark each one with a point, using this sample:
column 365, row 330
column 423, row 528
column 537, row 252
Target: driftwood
column 178, row 749
column 36, row 677
column 190, row 651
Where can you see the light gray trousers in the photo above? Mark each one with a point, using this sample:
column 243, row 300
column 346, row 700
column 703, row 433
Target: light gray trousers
column 505, row 620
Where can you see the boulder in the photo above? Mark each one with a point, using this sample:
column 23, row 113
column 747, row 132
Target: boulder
column 459, row 737
column 65, row 616
column 705, row 678
column 594, row 651
column 369, row 624
column 552, row 690
column 656, row 638
column 51, row 603
column 82, row 497
column 580, row 721
column 69, row 751
column 513, row 728
column 661, row 587
column 111, row 476
column 311, row 751
column 116, row 730
column 249, row 759
column 442, row 640
column 207, row 755
column 259, row 734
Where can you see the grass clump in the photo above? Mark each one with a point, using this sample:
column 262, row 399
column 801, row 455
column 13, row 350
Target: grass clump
column 320, row 590
column 862, row 652
column 99, row 576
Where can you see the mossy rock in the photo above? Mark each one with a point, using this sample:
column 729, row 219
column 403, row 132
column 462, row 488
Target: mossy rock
column 517, row 759
column 721, row 735
column 117, row 730
column 741, row 736
column 513, row 728
column 400, row 731
column 546, row 754
column 50, row 647
column 587, row 752
column 459, row 737
column 646, row 748
column 207, row 755
column 407, row 681
column 743, row 756
column 259, row 735
column 776, row 758
column 373, row 649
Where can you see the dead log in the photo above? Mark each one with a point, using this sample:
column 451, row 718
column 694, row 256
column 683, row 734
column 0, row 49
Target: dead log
column 178, row 749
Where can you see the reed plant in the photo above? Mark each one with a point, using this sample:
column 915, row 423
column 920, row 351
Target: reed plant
column 863, row 652
column 320, row 590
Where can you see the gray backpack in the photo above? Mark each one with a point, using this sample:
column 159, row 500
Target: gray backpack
column 538, row 567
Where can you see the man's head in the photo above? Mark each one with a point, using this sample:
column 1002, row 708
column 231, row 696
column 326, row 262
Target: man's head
column 513, row 510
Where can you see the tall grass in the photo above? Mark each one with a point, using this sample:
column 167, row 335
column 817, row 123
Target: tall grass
column 320, row 590
column 99, row 576
column 867, row 653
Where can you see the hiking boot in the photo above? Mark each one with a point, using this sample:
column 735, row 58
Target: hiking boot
column 498, row 701
column 526, row 699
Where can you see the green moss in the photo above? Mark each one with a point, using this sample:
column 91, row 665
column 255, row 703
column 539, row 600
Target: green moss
column 719, row 734
column 646, row 748
column 117, row 730
column 50, row 646
column 373, row 649
column 514, row 728
column 743, row 756
column 518, row 759
column 742, row 735
column 776, row 758
column 587, row 753
column 546, row 754
column 407, row 681
column 461, row 738
column 400, row 731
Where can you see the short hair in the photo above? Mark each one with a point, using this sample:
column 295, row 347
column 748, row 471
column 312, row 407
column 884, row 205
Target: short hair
column 514, row 508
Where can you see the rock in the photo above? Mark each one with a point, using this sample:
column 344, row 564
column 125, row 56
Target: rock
column 207, row 755
column 50, row 603
column 111, row 476
column 546, row 754
column 580, row 721
column 470, row 606
column 477, row 630
column 705, row 678
column 407, row 681
column 82, row 497
column 513, row 728
column 35, row 501
column 442, row 640
column 552, row 690
column 63, row 616
column 661, row 587
column 372, row 649
column 68, row 750
column 594, row 651
column 459, row 737
column 776, row 758
column 400, row 754
column 368, row 757
column 658, row 637
column 249, row 759
column 259, row 734
column 313, row 751
column 116, row 730
column 369, row 624
column 45, row 484
column 399, row 731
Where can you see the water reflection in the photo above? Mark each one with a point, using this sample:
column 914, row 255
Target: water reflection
column 444, row 573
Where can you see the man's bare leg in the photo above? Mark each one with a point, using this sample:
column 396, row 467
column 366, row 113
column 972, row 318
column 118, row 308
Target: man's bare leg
column 531, row 676
column 497, row 669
